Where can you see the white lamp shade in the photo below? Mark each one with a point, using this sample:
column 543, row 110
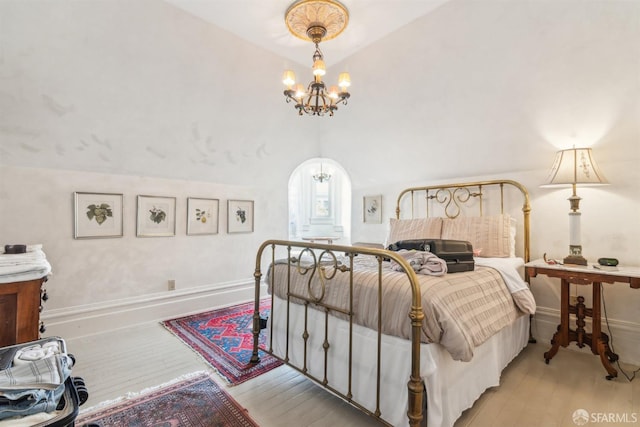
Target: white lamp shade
column 344, row 80
column 575, row 166
column 289, row 78
column 319, row 69
column 333, row 92
column 300, row 91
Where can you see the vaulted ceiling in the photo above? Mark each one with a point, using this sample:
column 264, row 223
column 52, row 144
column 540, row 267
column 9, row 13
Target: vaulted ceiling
column 190, row 89
column 184, row 89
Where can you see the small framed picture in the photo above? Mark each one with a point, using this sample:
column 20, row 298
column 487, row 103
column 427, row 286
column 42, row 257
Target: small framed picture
column 156, row 216
column 240, row 216
column 97, row 215
column 202, row 216
column 372, row 209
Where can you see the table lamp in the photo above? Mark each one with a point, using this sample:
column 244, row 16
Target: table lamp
column 574, row 166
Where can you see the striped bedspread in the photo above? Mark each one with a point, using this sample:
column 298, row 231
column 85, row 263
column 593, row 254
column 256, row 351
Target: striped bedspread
column 462, row 310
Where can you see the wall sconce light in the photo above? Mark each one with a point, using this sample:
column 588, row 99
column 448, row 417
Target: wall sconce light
column 572, row 167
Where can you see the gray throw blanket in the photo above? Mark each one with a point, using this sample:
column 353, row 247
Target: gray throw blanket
column 421, row 262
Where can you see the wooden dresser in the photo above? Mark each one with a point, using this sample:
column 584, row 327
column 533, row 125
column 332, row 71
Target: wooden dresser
column 20, row 306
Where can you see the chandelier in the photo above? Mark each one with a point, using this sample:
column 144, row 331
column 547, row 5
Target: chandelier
column 316, row 20
column 322, row 176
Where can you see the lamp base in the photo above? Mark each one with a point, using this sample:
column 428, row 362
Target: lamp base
column 575, row 259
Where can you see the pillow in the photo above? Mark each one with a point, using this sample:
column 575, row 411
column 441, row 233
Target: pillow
column 491, row 236
column 418, row 228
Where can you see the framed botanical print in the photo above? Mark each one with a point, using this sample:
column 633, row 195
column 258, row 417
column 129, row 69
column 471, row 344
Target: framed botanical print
column 372, row 209
column 156, row 216
column 202, row 216
column 240, row 216
column 97, row 215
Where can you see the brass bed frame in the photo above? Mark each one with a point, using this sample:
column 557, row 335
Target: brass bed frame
column 452, row 200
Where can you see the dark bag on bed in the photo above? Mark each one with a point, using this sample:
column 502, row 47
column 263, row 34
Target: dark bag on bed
column 457, row 253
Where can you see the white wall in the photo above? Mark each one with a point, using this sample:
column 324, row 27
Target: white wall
column 36, row 206
column 491, row 87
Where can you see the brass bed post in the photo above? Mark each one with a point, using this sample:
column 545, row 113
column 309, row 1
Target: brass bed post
column 255, row 358
column 286, row 353
column 350, row 387
column 379, row 349
column 426, row 202
column 415, row 385
column 273, row 261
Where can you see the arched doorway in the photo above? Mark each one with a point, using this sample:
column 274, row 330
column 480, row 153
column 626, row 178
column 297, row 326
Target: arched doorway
column 320, row 201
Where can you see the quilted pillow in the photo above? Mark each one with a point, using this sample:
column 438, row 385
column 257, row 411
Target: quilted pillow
column 418, row 228
column 491, row 236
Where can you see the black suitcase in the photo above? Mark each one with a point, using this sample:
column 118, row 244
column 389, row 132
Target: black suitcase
column 457, row 253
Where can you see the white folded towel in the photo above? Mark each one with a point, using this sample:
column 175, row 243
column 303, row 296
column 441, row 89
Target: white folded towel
column 36, row 352
column 21, row 267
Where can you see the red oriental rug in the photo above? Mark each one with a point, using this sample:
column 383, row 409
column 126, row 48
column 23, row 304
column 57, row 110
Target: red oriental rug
column 224, row 339
column 194, row 402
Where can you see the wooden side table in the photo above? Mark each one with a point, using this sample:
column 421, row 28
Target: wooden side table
column 584, row 275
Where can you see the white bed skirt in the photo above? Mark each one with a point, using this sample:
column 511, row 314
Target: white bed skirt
column 452, row 386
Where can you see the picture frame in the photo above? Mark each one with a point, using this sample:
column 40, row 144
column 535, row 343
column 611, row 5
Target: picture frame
column 240, row 216
column 97, row 215
column 202, row 216
column 372, row 209
column 156, row 216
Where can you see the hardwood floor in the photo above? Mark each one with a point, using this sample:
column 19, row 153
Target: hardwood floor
column 531, row 393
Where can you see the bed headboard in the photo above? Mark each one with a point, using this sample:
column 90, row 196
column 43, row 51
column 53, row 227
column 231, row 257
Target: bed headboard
column 470, row 199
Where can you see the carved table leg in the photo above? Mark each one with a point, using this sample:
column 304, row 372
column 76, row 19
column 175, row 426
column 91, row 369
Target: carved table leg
column 561, row 337
column 599, row 338
column 555, row 345
column 607, row 356
column 580, row 323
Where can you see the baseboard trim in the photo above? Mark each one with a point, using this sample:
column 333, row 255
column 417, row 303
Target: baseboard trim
column 624, row 336
column 91, row 319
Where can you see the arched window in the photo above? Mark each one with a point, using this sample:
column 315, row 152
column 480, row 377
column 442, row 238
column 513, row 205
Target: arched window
column 320, row 201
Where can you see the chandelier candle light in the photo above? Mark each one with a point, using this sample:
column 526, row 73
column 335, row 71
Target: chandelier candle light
column 575, row 166
column 316, row 20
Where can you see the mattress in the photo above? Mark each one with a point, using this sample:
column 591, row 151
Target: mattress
column 462, row 310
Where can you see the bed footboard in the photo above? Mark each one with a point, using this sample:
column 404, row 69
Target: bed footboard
column 321, row 262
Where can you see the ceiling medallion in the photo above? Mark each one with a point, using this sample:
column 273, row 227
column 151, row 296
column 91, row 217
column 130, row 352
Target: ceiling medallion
column 305, row 14
column 316, row 20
